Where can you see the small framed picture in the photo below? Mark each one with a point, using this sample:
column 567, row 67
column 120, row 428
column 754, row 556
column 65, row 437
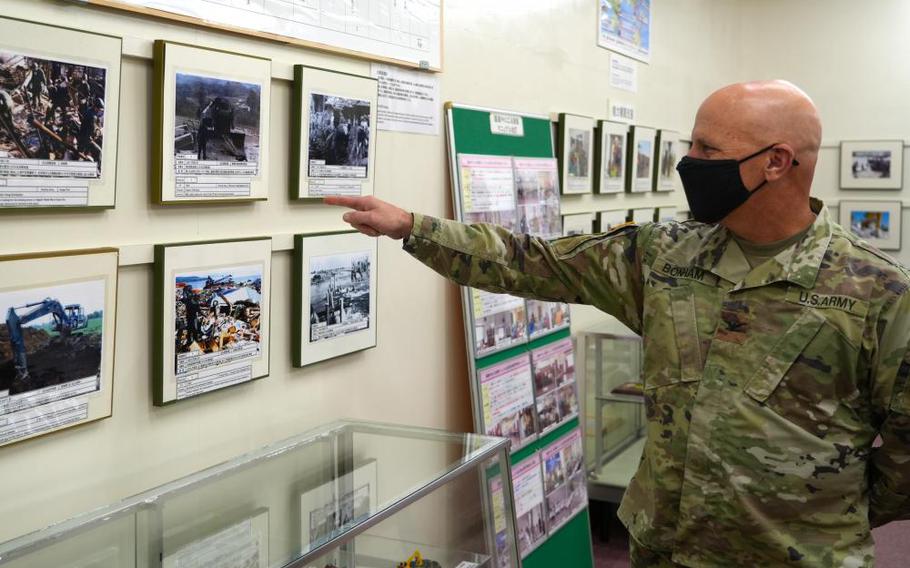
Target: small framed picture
column 577, row 224
column 877, row 222
column 334, row 295
column 640, row 171
column 59, row 103
column 334, row 133
column 211, row 131
column 212, row 302
column 871, row 164
column 667, row 214
column 575, row 143
column 608, row 220
column 669, row 152
column 211, row 541
column 610, row 157
column 642, row 214
column 56, row 341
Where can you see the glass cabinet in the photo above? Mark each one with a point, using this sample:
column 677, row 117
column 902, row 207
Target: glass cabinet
column 348, row 495
column 614, row 408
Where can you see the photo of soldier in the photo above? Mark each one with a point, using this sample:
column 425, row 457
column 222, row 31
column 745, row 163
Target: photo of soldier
column 579, row 152
column 644, row 149
column 668, row 159
column 339, row 137
column 617, row 152
column 50, row 109
column 216, row 119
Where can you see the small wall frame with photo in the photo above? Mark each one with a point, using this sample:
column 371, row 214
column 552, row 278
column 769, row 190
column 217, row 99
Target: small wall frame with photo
column 333, row 145
column 871, row 164
column 669, row 152
column 212, row 315
column 56, row 341
column 577, row 224
column 876, row 222
column 335, row 296
column 640, row 174
column 610, row 157
column 211, row 132
column 608, row 220
column 575, row 144
column 59, row 113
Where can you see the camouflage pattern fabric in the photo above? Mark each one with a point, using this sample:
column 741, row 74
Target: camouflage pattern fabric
column 764, row 388
column 642, row 557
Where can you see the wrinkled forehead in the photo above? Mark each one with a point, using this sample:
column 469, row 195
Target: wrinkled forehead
column 724, row 119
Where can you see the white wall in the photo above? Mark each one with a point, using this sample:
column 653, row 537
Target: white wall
column 536, row 56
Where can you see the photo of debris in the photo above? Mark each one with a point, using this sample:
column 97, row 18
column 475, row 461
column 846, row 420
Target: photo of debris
column 339, row 295
column 217, row 311
column 339, row 137
column 51, row 335
column 51, row 109
column 216, row 119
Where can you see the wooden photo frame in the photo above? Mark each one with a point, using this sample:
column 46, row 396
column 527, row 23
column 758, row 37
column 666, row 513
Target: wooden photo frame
column 335, row 295
column 334, row 133
column 872, row 164
column 668, row 153
column 58, row 330
column 61, row 127
column 876, row 222
column 211, row 136
column 610, row 157
column 640, row 174
column 575, row 143
column 212, row 315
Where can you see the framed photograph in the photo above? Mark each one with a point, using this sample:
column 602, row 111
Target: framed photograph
column 877, row 222
column 575, row 142
column 642, row 214
column 212, row 302
column 872, row 164
column 667, row 214
column 669, row 152
column 334, row 295
column 212, row 125
column 610, row 157
column 334, row 134
column 59, row 109
column 641, row 159
column 338, row 504
column 241, row 544
column 56, row 341
column 608, row 220
column 577, row 224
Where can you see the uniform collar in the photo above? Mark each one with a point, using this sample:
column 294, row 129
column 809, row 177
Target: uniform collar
column 798, row 264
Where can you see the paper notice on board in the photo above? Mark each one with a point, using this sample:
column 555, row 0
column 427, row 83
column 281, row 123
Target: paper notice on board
column 408, row 100
column 623, row 73
column 487, row 183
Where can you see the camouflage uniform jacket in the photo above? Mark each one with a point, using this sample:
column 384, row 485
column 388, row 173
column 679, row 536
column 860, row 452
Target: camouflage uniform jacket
column 764, row 388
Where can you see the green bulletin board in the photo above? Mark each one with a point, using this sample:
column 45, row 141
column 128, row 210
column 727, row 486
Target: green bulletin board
column 469, row 132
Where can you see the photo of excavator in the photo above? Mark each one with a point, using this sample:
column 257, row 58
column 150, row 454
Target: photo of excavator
column 49, row 341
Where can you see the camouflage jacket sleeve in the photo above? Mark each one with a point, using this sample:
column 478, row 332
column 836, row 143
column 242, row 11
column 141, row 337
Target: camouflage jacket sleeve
column 890, row 463
column 600, row 270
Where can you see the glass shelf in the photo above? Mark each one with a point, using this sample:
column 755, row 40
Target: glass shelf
column 347, row 494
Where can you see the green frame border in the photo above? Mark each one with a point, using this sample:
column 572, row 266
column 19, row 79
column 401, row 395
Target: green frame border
column 561, row 133
column 159, row 58
column 298, row 136
column 79, row 208
column 297, row 278
column 158, row 292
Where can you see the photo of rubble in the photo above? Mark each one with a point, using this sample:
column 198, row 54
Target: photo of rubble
column 51, row 109
column 217, row 310
column 339, row 295
column 51, row 335
column 339, row 136
column 216, row 119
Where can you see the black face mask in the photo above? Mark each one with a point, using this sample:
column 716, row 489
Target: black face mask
column 714, row 188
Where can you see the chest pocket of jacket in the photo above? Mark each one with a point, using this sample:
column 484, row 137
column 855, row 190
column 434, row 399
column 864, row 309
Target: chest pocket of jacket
column 674, row 353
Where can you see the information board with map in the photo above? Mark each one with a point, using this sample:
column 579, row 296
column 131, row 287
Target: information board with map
column 624, row 26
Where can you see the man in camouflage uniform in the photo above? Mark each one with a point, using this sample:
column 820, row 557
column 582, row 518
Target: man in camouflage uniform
column 775, row 347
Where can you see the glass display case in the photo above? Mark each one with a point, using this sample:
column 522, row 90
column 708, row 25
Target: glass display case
column 351, row 494
column 614, row 408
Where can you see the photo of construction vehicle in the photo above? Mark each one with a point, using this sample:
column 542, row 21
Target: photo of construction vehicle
column 50, row 336
column 216, row 119
column 51, row 110
column 339, row 295
column 218, row 311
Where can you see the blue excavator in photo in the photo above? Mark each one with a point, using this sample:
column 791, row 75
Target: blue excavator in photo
column 67, row 319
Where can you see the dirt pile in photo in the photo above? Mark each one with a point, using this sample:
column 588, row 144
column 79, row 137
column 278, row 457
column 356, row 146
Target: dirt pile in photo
column 52, row 361
column 35, row 340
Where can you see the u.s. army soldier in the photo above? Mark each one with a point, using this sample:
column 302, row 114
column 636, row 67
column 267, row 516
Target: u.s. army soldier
column 775, row 344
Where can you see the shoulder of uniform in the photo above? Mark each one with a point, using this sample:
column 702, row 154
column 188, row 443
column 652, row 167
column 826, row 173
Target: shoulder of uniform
column 862, row 260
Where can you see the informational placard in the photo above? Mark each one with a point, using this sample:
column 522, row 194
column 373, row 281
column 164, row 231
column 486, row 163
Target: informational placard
column 621, row 111
column 527, row 484
column 564, row 480
column 500, row 321
column 408, row 100
column 406, row 32
column 238, row 546
column 624, row 26
column 487, row 183
column 537, row 196
column 623, row 73
column 508, row 400
column 554, row 384
column 500, row 526
column 506, row 124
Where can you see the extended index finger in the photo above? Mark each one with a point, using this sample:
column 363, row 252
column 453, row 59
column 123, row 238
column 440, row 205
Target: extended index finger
column 358, row 203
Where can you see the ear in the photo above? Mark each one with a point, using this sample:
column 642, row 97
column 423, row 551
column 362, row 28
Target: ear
column 781, row 159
